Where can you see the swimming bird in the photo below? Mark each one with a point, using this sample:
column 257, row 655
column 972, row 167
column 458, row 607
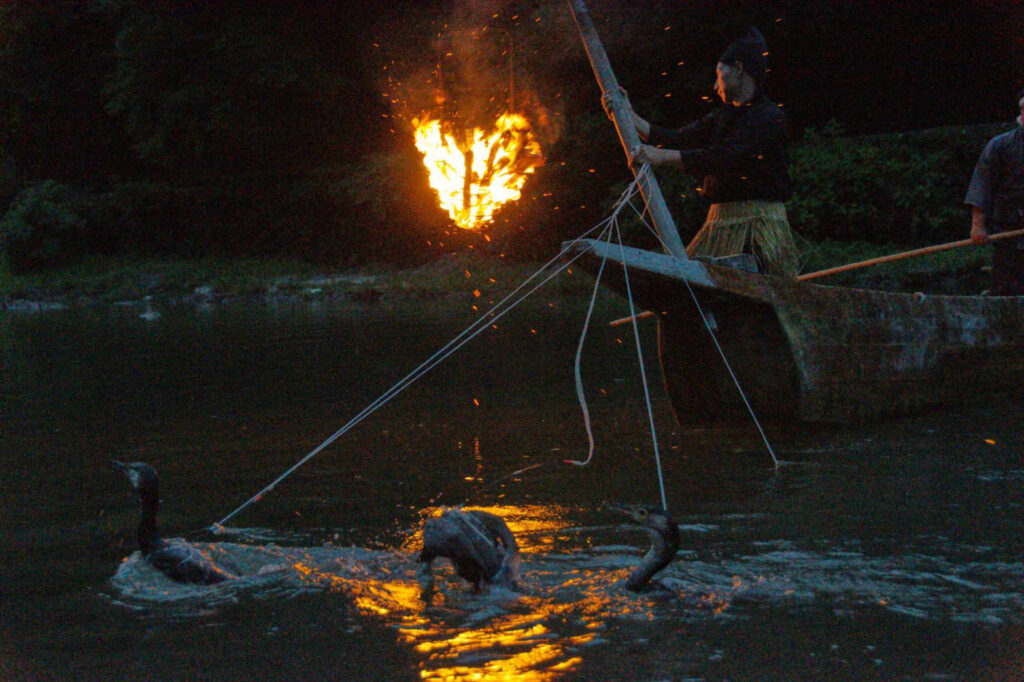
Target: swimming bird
column 478, row 543
column 175, row 558
column 664, row 542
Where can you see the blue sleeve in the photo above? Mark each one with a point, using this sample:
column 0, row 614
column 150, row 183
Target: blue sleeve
column 984, row 178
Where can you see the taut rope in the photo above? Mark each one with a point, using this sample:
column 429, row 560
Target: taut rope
column 496, row 312
column 714, row 339
column 606, row 235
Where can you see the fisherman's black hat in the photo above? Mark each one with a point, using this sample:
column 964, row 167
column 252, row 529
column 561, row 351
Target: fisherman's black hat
column 752, row 50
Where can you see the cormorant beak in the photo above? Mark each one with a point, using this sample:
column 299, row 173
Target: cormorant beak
column 127, row 470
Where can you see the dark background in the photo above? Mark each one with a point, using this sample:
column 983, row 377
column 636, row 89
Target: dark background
column 282, row 129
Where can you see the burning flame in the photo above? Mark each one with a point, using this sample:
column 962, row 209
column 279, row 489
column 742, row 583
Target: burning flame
column 476, row 172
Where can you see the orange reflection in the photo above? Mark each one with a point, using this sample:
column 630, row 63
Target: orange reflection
column 514, row 646
column 518, row 646
column 536, row 528
column 498, row 634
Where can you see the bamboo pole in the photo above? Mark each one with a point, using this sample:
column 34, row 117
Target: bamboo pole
column 924, row 251
column 906, row 254
column 660, row 215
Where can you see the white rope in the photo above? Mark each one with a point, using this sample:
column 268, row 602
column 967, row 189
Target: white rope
column 475, row 329
column 611, row 222
column 643, row 371
column 580, row 395
column 714, row 338
column 614, row 225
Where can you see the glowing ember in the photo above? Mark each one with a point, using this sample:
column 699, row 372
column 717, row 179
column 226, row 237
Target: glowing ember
column 476, row 172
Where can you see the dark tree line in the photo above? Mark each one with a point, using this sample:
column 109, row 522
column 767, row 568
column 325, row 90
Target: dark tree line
column 244, row 128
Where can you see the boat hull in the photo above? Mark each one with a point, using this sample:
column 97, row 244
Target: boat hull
column 815, row 353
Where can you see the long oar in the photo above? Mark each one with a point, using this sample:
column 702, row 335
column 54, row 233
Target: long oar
column 906, row 254
column 865, row 263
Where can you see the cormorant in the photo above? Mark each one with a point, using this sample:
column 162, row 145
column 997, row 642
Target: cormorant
column 664, row 542
column 174, row 558
column 478, row 543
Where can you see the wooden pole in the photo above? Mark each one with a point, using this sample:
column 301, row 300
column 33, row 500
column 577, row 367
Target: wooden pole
column 610, row 91
column 639, row 316
column 905, row 254
column 865, row 263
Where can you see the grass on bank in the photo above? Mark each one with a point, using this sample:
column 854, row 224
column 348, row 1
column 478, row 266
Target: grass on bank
column 108, row 280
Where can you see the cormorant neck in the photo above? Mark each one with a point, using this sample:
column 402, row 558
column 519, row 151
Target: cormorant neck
column 663, row 550
column 148, row 533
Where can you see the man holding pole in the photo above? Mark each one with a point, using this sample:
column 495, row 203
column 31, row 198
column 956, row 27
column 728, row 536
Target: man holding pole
column 996, row 195
column 741, row 152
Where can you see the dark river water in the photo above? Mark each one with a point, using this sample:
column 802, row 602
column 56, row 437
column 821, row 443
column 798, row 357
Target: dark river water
column 890, row 551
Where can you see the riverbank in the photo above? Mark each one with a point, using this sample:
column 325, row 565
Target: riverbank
column 108, row 281
column 105, row 281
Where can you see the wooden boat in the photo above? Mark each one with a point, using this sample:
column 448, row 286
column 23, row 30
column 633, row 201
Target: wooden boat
column 801, row 351
column 815, row 353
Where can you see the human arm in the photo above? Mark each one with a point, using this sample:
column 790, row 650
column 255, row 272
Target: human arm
column 665, row 146
column 750, row 143
column 979, row 192
column 642, row 126
column 979, row 228
column 656, row 156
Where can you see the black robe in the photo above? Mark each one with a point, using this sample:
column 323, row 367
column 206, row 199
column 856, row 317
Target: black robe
column 741, row 152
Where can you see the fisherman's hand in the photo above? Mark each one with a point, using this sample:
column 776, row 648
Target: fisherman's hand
column 656, row 156
column 979, row 235
column 607, row 97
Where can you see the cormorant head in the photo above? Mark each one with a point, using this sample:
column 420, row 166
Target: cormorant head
column 664, row 541
column 142, row 477
column 652, row 518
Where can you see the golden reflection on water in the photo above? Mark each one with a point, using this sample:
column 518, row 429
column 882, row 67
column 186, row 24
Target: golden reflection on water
column 499, row 634
column 537, row 528
column 516, row 641
column 516, row 646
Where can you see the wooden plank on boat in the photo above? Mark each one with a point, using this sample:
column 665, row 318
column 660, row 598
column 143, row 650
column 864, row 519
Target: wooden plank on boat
column 816, row 353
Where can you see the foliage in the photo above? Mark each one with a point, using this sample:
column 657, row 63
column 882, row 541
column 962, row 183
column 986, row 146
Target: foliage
column 277, row 129
column 45, row 225
column 54, row 60
column 954, row 271
column 901, row 189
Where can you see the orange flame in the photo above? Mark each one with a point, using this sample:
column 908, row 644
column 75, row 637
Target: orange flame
column 476, row 173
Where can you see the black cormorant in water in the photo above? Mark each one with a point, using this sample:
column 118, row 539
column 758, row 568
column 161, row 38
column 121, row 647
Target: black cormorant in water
column 664, row 542
column 175, row 558
column 478, row 543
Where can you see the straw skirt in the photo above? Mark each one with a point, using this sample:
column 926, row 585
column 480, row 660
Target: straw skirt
column 758, row 227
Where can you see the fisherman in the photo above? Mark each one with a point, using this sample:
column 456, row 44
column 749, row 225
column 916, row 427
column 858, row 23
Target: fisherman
column 996, row 195
column 741, row 152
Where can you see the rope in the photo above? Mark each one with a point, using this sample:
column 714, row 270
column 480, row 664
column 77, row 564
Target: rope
column 613, row 224
column 580, row 396
column 643, row 372
column 714, row 339
column 475, row 329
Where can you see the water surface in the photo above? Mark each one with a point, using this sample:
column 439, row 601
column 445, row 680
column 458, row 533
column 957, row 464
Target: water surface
column 883, row 552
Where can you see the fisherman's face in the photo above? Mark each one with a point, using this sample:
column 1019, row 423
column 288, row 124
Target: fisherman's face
column 727, row 82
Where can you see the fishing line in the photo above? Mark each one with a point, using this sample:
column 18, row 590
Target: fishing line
column 643, row 371
column 714, row 337
column 614, row 229
column 475, row 329
column 580, row 395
